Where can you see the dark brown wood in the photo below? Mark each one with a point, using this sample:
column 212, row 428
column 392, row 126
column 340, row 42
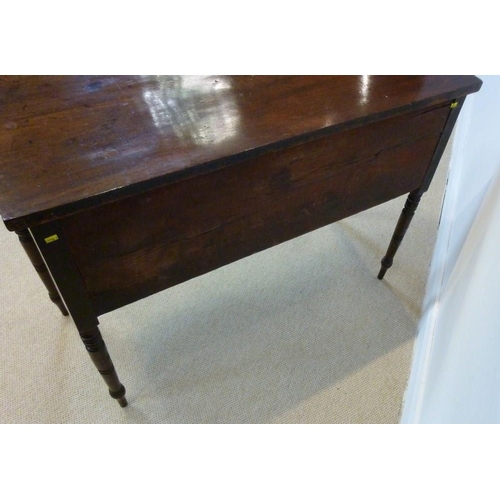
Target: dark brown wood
column 400, row 231
column 100, row 357
column 70, row 143
column 130, row 185
column 127, row 250
column 414, row 197
column 36, row 259
column 52, row 245
column 455, row 108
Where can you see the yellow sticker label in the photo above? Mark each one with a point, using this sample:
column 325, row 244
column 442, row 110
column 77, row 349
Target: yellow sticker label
column 454, row 105
column 52, row 238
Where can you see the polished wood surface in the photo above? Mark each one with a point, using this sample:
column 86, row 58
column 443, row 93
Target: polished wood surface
column 69, row 143
column 130, row 185
column 127, row 250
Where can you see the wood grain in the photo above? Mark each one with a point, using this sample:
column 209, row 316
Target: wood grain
column 130, row 185
column 132, row 248
column 73, row 142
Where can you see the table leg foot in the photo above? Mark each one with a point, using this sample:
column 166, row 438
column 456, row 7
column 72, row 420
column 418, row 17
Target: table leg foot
column 401, row 227
column 119, row 396
column 98, row 352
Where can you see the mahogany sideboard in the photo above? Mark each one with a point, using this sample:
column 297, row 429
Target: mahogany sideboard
column 119, row 187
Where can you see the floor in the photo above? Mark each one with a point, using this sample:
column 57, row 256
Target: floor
column 301, row 333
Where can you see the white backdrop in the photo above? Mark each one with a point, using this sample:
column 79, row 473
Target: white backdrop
column 455, row 376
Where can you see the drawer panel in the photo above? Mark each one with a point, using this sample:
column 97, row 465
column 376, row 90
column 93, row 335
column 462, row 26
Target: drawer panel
column 135, row 247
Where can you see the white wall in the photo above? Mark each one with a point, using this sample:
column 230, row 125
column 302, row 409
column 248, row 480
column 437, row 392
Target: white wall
column 455, row 375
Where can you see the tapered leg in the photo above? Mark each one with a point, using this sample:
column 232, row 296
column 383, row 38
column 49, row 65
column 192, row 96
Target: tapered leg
column 51, row 243
column 99, row 354
column 414, row 197
column 401, row 227
column 40, row 267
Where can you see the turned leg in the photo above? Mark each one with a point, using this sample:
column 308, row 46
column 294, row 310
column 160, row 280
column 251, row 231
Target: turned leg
column 401, row 227
column 99, row 354
column 414, row 197
column 40, row 267
column 52, row 244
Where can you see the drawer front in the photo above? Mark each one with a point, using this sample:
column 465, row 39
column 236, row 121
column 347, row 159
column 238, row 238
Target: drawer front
column 138, row 246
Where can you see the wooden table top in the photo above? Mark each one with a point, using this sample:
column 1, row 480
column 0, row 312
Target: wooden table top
column 71, row 142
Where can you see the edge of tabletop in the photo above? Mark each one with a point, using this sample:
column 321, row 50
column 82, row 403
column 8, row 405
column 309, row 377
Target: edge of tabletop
column 21, row 222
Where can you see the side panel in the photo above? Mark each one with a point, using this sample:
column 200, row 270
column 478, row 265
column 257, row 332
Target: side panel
column 135, row 247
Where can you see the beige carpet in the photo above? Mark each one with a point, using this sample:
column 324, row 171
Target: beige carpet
column 301, row 333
